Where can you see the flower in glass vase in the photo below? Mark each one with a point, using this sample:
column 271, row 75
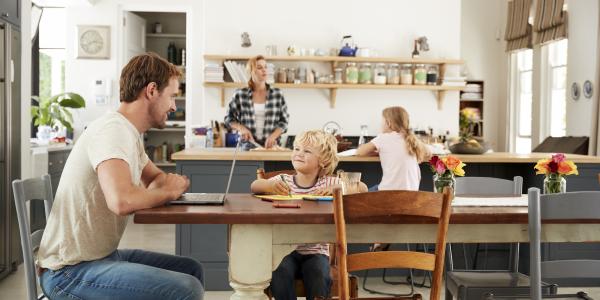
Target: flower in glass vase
column 555, row 168
column 444, row 169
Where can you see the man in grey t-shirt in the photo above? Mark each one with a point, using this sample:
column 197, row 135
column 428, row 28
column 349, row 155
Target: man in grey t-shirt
column 107, row 177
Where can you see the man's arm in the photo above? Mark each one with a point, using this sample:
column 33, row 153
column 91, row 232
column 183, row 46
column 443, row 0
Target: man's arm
column 123, row 197
column 151, row 173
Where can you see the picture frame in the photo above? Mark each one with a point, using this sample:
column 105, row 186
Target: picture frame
column 93, row 41
column 575, row 91
column 588, row 89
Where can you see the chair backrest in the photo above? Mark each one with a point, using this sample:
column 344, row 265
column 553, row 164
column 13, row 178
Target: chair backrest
column 261, row 174
column 25, row 190
column 571, row 207
column 488, row 186
column 385, row 207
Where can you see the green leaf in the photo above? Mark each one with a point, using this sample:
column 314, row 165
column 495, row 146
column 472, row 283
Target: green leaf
column 72, row 100
column 67, row 115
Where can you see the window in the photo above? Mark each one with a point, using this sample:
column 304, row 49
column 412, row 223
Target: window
column 52, row 39
column 522, row 100
column 556, row 88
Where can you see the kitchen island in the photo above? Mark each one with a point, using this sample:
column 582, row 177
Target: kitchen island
column 208, row 170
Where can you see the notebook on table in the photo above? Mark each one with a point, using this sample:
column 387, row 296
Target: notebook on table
column 209, row 198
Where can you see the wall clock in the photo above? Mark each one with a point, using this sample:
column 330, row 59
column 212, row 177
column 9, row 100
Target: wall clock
column 93, row 41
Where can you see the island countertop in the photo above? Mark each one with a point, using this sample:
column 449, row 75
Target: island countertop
column 265, row 155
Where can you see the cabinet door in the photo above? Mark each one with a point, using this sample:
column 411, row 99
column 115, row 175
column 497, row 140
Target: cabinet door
column 10, row 10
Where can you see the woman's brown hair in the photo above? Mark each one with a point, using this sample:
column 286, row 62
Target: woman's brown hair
column 251, row 66
column 398, row 120
column 141, row 71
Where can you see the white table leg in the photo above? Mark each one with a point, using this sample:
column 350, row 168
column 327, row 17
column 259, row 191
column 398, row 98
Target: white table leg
column 250, row 260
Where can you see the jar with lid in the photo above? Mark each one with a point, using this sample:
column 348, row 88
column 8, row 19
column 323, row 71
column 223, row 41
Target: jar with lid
column 301, row 76
column 432, row 75
column 281, row 75
column 420, row 75
column 365, row 74
column 379, row 74
column 393, row 74
column 351, row 73
column 338, row 76
column 291, row 75
column 406, row 76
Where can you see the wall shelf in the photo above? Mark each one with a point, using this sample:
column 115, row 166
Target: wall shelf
column 439, row 90
column 166, row 35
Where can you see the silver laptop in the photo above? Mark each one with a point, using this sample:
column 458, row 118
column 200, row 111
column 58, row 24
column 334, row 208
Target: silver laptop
column 209, row 198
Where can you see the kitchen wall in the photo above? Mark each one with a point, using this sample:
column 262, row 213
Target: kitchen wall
column 582, row 115
column 482, row 47
column 215, row 28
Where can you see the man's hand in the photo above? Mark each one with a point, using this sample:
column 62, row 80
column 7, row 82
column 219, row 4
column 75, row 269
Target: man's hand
column 175, row 185
column 279, row 187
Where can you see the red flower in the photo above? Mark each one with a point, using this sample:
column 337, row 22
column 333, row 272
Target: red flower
column 434, row 159
column 553, row 166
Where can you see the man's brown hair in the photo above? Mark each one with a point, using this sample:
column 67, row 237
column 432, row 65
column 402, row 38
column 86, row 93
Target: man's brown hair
column 141, row 71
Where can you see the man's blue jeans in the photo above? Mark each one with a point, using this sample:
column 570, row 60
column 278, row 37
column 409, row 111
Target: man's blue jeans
column 312, row 269
column 127, row 274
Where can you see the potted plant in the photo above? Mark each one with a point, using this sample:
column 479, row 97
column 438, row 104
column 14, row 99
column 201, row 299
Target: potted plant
column 55, row 112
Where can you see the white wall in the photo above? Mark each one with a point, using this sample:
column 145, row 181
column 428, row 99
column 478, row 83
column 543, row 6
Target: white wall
column 582, row 64
column 215, row 28
column 482, row 47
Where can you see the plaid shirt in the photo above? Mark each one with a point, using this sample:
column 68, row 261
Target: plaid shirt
column 241, row 110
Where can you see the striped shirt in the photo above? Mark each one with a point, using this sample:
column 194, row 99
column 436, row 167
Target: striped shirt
column 322, row 182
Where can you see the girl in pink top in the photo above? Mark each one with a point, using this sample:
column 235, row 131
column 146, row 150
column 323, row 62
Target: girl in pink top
column 399, row 150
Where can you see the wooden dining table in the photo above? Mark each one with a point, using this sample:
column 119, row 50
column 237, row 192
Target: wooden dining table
column 260, row 235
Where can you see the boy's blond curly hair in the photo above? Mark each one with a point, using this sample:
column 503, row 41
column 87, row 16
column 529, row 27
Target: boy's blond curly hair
column 326, row 145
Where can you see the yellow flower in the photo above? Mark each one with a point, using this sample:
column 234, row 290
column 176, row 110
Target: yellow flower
column 458, row 171
column 542, row 166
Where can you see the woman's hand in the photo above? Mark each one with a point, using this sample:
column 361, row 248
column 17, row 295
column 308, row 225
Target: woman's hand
column 279, row 187
column 271, row 141
column 245, row 133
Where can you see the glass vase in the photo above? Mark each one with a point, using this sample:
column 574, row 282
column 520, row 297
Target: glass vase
column 444, row 180
column 554, row 183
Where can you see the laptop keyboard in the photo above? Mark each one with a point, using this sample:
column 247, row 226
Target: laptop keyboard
column 201, row 197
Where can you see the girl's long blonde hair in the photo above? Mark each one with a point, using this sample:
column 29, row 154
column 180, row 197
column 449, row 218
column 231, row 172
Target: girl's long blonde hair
column 251, row 67
column 398, row 120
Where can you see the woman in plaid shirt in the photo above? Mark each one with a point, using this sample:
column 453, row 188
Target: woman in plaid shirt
column 258, row 112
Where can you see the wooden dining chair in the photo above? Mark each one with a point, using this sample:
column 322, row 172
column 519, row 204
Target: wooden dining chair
column 300, row 292
column 386, row 207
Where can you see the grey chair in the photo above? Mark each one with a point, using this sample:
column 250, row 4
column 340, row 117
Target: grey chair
column 25, row 190
column 564, row 206
column 476, row 284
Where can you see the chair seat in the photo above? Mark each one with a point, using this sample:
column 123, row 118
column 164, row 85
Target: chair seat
column 476, row 284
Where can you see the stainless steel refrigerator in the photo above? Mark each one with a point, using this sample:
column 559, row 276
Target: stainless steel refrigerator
column 10, row 144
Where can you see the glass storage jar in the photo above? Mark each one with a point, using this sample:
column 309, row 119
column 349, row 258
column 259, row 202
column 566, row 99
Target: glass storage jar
column 379, row 76
column 365, row 74
column 281, row 75
column 420, row 75
column 406, row 76
column 291, row 75
column 351, row 73
column 338, row 76
column 432, row 75
column 393, row 74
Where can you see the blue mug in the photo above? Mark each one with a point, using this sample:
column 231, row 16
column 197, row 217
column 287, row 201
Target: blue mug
column 231, row 139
